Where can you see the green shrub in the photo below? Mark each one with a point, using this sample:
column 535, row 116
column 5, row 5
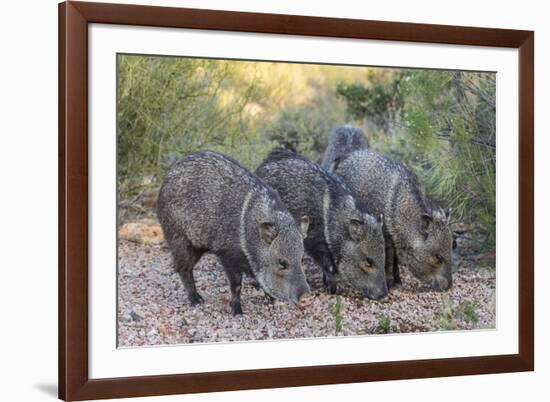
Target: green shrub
column 337, row 314
column 449, row 314
column 384, row 323
column 445, row 319
column 303, row 129
column 469, row 312
column 380, row 99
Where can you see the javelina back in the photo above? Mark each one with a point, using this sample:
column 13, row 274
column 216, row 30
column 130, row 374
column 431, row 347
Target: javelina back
column 343, row 238
column 342, row 141
column 416, row 228
column 210, row 203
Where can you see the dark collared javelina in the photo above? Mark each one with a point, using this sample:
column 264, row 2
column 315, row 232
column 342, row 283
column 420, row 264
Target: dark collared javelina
column 343, row 140
column 210, row 203
column 416, row 228
column 343, row 238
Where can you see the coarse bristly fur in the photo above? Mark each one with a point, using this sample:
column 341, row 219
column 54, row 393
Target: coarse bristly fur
column 416, row 228
column 210, row 203
column 343, row 238
column 342, row 141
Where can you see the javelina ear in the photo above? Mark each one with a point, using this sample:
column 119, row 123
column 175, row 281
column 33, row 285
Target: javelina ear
column 356, row 231
column 268, row 232
column 448, row 214
column 334, row 164
column 304, row 225
column 426, row 221
column 381, row 220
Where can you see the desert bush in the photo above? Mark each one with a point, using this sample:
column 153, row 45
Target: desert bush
column 168, row 107
column 303, row 129
column 379, row 101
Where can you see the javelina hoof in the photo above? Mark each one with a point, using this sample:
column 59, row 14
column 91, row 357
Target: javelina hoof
column 393, row 284
column 195, row 299
column 236, row 309
column 330, row 283
column 255, row 284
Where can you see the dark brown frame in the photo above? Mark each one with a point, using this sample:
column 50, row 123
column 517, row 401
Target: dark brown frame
column 74, row 17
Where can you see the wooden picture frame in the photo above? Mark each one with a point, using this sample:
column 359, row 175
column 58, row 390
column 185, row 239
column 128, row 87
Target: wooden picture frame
column 74, row 381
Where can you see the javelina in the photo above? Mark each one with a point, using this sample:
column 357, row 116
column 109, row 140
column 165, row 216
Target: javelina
column 210, row 203
column 343, row 140
column 416, row 228
column 343, row 238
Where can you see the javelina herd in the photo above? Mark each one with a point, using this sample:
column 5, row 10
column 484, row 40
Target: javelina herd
column 359, row 216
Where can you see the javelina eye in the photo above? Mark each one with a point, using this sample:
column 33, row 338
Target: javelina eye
column 367, row 265
column 439, row 259
column 283, row 265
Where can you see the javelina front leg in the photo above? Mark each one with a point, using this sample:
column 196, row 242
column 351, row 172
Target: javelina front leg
column 189, row 284
column 329, row 271
column 396, row 273
column 256, row 285
column 329, row 280
column 390, row 263
column 270, row 299
column 235, row 282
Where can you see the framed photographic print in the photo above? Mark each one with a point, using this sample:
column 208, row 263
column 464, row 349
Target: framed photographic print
column 259, row 200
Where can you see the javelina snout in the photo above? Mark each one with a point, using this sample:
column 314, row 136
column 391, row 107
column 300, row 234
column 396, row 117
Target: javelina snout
column 377, row 287
column 442, row 283
column 438, row 277
column 284, row 282
column 443, row 280
column 300, row 292
column 376, row 293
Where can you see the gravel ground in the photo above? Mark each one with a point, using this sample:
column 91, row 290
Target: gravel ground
column 153, row 307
